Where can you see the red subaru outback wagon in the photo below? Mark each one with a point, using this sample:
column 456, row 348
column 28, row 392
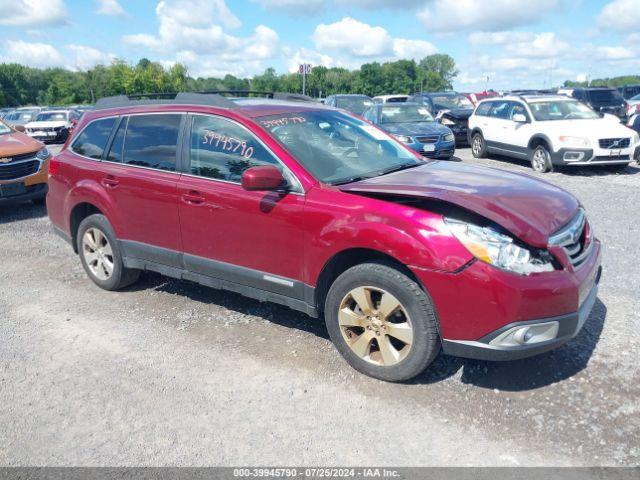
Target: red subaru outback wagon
column 308, row 206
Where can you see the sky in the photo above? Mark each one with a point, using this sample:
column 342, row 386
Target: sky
column 498, row 44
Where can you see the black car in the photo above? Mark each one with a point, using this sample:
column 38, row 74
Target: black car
column 452, row 109
column 601, row 99
column 629, row 91
column 353, row 103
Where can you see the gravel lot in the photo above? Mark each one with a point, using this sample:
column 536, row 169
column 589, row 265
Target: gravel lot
column 171, row 373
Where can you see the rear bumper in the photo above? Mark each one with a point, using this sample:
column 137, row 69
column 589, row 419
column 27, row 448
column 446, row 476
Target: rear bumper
column 34, row 192
column 487, row 348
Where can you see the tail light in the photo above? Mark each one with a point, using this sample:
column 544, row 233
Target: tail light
column 54, row 166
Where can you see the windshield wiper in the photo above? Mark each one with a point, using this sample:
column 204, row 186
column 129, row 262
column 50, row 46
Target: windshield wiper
column 397, row 168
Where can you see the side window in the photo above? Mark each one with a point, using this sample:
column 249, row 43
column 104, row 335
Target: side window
column 517, row 108
column 500, row 110
column 223, row 150
column 483, row 109
column 115, row 152
column 370, row 115
column 151, row 141
column 93, row 139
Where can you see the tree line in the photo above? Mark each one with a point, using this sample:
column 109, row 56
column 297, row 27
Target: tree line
column 22, row 85
column 606, row 82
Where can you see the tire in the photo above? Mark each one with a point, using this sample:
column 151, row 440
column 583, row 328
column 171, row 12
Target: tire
column 100, row 254
column 478, row 146
column 541, row 159
column 408, row 332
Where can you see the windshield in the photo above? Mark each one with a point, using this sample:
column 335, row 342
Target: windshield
column 4, row 129
column 635, row 99
column 52, row 117
column 23, row 117
column 405, row 114
column 338, row 148
column 451, row 102
column 356, row 105
column 561, row 110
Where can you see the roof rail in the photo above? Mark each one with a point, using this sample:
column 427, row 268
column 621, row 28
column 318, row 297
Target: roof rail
column 293, row 97
column 187, row 98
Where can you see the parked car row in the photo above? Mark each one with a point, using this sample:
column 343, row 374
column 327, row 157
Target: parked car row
column 47, row 124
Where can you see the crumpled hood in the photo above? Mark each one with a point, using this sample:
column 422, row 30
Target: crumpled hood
column 457, row 113
column 530, row 209
column 415, row 128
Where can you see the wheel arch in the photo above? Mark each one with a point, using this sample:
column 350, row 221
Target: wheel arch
column 540, row 139
column 78, row 213
column 345, row 259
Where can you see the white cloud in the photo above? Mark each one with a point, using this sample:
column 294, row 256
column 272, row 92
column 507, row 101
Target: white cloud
column 293, row 7
column 499, row 38
column 361, row 41
column 452, row 16
column 30, row 13
column 85, row 57
column 412, row 49
column 615, row 53
column 542, row 45
column 194, row 33
column 354, row 37
column 40, row 55
column 44, row 55
column 111, row 8
column 378, row 4
column 620, row 15
column 303, row 55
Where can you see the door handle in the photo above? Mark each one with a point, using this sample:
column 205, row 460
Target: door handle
column 110, row 181
column 193, row 198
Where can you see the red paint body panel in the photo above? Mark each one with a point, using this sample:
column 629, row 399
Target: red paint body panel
column 296, row 235
column 529, row 208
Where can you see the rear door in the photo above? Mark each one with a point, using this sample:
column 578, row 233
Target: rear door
column 139, row 173
column 253, row 238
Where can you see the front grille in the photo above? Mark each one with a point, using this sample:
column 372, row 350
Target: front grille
column 614, row 143
column 573, row 239
column 17, row 158
column 428, row 139
column 11, row 171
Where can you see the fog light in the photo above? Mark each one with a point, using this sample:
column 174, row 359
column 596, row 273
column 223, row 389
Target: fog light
column 527, row 335
column 573, row 156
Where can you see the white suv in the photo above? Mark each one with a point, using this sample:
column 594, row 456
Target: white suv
column 550, row 131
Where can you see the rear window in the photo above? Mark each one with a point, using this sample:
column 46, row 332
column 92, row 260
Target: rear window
column 151, row 141
column 93, row 139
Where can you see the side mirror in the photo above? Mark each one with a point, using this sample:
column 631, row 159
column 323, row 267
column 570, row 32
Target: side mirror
column 18, row 128
column 265, row 177
column 519, row 118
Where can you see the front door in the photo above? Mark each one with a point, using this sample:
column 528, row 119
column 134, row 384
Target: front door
column 253, row 238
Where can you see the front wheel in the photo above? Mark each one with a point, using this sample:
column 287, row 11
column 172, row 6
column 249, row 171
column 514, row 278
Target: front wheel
column 541, row 159
column 382, row 322
column 478, row 146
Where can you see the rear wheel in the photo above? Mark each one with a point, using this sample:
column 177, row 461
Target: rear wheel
column 541, row 159
column 100, row 254
column 382, row 322
column 478, row 146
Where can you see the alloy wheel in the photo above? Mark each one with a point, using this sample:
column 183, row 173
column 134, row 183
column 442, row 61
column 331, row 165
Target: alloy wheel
column 539, row 162
column 375, row 326
column 97, row 253
column 477, row 145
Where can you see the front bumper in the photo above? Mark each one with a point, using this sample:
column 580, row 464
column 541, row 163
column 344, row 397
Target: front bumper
column 33, row 192
column 568, row 326
column 442, row 150
column 599, row 156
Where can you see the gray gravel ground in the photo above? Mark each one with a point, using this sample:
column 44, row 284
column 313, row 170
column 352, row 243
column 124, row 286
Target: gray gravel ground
column 171, row 373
